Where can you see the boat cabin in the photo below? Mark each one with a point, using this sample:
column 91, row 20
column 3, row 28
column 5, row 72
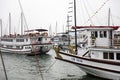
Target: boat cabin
column 101, row 42
column 96, row 36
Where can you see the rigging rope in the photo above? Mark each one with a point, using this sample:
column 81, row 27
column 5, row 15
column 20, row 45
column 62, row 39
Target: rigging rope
column 117, row 17
column 87, row 12
column 90, row 7
column 39, row 66
column 82, row 12
column 112, row 20
column 97, row 10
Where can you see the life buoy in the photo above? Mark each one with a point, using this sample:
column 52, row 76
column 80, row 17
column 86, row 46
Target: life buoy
column 45, row 34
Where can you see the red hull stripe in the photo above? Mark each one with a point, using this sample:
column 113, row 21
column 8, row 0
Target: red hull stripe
column 94, row 60
column 118, row 72
column 113, row 27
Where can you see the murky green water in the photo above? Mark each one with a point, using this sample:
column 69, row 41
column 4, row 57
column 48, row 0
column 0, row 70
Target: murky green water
column 44, row 67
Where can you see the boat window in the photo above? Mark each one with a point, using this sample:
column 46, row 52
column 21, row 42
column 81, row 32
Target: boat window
column 103, row 34
column 9, row 46
column 118, row 56
column 8, row 40
column 83, row 36
column 19, row 40
column 27, row 47
column 94, row 33
column 26, row 40
column 40, row 39
column 105, row 55
column 18, row 47
column 119, row 41
column 111, row 56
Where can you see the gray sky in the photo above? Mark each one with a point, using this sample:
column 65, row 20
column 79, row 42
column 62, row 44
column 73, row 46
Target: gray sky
column 43, row 13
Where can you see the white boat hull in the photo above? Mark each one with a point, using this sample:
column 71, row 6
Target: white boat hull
column 5, row 50
column 94, row 66
column 45, row 49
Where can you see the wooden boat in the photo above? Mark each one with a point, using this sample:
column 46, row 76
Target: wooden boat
column 98, row 51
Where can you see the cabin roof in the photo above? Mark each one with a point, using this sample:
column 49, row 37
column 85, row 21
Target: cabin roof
column 39, row 30
column 96, row 27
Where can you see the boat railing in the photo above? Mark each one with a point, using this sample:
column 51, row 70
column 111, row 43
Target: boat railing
column 30, row 34
column 116, row 42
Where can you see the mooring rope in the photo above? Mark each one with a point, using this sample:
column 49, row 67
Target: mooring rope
column 39, row 66
column 51, row 65
column 3, row 65
column 35, row 53
column 2, row 56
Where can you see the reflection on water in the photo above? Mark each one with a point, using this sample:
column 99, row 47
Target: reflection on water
column 22, row 67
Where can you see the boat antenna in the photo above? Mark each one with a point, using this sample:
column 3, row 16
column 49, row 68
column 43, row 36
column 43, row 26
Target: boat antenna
column 75, row 27
column 2, row 56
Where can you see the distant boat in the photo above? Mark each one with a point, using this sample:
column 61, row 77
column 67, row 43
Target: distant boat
column 60, row 39
column 30, row 43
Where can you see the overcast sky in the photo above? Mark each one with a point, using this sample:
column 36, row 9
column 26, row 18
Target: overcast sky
column 43, row 13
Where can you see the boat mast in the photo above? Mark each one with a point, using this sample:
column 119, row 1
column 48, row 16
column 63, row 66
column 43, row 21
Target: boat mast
column 50, row 31
column 22, row 17
column 109, row 17
column 21, row 23
column 1, row 26
column 68, row 30
column 69, row 19
column 56, row 28
column 109, row 25
column 63, row 28
column 75, row 27
column 9, row 23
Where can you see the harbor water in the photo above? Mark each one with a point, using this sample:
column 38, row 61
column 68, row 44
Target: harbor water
column 40, row 67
